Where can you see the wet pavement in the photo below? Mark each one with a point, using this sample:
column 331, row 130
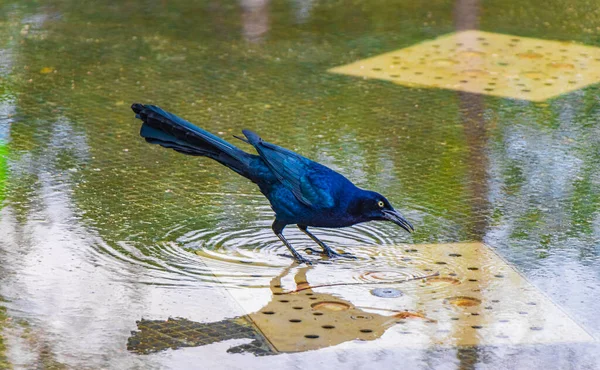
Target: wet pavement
column 117, row 254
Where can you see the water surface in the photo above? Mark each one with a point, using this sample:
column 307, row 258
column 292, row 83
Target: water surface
column 100, row 229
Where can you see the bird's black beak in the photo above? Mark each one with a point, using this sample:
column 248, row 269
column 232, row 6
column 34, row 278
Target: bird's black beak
column 398, row 219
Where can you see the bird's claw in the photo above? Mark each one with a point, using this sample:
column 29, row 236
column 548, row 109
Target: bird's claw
column 332, row 254
column 299, row 259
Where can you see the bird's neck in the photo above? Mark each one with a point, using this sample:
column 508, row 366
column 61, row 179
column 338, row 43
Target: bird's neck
column 354, row 211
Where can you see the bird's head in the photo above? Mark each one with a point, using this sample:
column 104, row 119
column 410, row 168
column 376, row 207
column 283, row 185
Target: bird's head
column 372, row 206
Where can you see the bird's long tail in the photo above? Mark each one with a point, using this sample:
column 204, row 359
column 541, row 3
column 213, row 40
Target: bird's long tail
column 166, row 129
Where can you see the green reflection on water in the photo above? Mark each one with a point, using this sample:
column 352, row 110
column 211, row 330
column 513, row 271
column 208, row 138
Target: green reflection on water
column 3, row 319
column 197, row 60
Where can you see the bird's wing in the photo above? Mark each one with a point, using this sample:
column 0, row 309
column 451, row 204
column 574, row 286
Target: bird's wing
column 297, row 173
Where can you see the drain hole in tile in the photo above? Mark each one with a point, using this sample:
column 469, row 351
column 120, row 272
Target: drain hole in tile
column 328, row 327
column 295, row 320
column 559, row 65
column 311, row 336
column 530, row 55
column 330, row 306
column 463, row 301
column 366, row 330
column 443, row 280
column 268, row 312
column 386, row 292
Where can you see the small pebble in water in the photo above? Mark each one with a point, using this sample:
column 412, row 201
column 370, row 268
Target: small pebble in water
column 386, row 292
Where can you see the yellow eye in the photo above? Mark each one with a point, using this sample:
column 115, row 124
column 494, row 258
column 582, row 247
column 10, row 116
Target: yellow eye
column 381, row 204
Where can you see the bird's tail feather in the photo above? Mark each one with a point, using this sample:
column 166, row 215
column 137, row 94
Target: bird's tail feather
column 166, row 129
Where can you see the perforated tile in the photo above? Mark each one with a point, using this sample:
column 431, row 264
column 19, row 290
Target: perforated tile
column 478, row 299
column 487, row 63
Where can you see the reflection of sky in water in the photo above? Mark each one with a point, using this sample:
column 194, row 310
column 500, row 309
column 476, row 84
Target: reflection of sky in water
column 58, row 277
column 533, row 174
column 7, row 109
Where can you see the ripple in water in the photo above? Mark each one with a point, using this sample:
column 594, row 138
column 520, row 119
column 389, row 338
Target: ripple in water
column 250, row 256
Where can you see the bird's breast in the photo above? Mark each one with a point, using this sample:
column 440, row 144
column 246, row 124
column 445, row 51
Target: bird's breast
column 290, row 210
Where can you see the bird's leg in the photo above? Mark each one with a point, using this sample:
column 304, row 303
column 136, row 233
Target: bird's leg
column 278, row 230
column 326, row 250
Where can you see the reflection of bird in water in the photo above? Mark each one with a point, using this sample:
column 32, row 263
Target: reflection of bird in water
column 296, row 321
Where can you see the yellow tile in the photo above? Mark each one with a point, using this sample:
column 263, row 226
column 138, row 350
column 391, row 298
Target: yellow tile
column 487, row 63
column 478, row 299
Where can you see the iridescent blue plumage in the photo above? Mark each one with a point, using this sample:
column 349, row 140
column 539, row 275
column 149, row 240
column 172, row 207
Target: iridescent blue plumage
column 301, row 191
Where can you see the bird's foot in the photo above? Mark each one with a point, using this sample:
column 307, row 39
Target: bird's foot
column 331, row 253
column 299, row 259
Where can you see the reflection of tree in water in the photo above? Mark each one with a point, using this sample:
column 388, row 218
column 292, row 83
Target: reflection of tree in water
column 255, row 19
column 291, row 322
column 466, row 17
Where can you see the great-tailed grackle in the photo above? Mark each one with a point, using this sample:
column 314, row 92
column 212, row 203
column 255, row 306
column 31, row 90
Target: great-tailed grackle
column 301, row 192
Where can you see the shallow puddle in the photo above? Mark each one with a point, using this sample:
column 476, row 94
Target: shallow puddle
column 118, row 254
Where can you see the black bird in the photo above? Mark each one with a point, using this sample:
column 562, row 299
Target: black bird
column 301, row 192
